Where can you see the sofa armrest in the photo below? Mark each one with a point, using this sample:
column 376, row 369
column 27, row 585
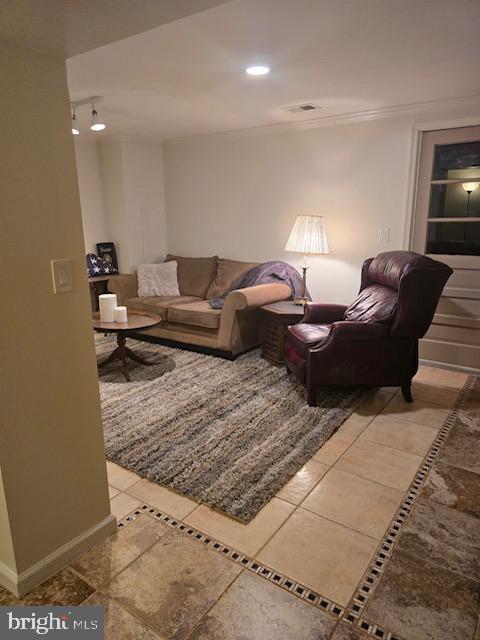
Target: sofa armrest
column 350, row 330
column 125, row 286
column 318, row 313
column 238, row 328
column 257, row 296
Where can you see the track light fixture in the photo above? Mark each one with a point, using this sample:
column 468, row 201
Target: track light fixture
column 97, row 123
column 75, row 129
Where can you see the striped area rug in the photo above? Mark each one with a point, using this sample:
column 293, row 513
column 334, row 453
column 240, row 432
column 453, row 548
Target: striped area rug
column 227, row 434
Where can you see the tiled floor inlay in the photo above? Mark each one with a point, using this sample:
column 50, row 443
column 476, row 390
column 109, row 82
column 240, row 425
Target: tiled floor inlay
column 353, row 614
column 376, row 536
column 262, row 570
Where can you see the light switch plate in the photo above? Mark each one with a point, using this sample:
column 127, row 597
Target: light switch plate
column 384, row 234
column 62, row 275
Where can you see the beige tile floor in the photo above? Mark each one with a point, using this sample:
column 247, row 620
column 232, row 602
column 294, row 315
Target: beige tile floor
column 324, row 525
column 321, row 529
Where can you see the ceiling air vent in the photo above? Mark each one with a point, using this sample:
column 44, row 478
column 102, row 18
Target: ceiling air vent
column 300, row 108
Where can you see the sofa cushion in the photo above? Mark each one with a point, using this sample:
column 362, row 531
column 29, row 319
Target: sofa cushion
column 302, row 336
column 228, row 271
column 158, row 304
column 195, row 275
column 375, row 303
column 198, row 314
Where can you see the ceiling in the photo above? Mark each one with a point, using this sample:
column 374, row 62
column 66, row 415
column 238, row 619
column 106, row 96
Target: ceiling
column 64, row 28
column 187, row 77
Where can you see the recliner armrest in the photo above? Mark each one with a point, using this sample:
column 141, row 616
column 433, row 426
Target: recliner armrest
column 350, row 330
column 319, row 313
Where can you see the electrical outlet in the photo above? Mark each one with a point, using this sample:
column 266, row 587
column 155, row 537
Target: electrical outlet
column 384, row 234
column 62, row 275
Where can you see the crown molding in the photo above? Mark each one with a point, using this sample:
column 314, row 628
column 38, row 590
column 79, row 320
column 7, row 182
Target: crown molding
column 413, row 109
column 141, row 138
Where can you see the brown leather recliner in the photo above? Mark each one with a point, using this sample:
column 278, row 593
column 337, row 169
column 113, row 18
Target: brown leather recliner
column 374, row 341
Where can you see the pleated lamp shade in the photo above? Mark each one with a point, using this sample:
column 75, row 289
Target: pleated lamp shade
column 308, row 235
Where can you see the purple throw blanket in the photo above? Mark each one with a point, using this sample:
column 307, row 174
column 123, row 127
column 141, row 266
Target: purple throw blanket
column 266, row 273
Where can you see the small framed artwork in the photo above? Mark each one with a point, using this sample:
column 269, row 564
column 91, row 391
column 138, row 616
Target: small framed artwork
column 106, row 251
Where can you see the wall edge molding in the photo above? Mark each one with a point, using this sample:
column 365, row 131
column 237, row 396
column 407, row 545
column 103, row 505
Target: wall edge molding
column 413, row 109
column 21, row 583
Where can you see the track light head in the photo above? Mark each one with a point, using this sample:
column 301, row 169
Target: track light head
column 97, row 123
column 75, row 129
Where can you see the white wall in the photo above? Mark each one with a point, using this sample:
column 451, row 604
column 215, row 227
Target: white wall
column 52, row 458
column 122, row 197
column 238, row 195
column 145, row 200
column 111, row 170
column 91, row 195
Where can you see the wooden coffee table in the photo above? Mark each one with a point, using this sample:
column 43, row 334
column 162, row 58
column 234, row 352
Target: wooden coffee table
column 136, row 320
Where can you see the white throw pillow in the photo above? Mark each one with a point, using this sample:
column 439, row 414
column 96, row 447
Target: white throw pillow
column 158, row 279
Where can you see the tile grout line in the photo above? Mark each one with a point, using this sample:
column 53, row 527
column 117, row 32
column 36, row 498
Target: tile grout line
column 345, row 450
column 341, row 524
column 101, row 591
column 354, row 610
column 332, row 466
column 389, row 446
column 103, row 585
column 195, row 626
column 443, row 568
column 102, row 588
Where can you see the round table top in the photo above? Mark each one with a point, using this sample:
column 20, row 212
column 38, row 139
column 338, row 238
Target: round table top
column 135, row 320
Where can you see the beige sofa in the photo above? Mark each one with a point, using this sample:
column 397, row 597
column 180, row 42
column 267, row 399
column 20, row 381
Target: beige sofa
column 188, row 319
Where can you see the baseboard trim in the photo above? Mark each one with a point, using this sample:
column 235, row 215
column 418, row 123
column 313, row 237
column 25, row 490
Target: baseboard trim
column 21, row 583
column 448, row 365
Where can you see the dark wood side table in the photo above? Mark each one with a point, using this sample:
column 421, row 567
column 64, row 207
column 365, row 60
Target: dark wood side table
column 275, row 318
column 99, row 285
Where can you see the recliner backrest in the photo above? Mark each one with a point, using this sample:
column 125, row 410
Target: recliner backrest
column 374, row 303
column 409, row 285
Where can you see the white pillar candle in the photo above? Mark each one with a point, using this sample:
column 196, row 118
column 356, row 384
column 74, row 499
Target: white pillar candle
column 107, row 303
column 120, row 314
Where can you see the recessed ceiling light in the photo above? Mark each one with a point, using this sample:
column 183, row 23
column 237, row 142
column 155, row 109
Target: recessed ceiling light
column 257, row 70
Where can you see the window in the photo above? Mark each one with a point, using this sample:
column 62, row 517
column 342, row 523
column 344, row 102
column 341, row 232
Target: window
column 453, row 223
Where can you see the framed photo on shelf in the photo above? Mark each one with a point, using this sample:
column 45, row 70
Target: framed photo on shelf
column 106, row 251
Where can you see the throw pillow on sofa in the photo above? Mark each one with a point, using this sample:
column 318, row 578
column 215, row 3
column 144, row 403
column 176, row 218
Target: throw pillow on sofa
column 157, row 280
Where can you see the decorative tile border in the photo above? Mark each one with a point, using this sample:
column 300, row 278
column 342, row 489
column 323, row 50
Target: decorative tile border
column 265, row 572
column 353, row 613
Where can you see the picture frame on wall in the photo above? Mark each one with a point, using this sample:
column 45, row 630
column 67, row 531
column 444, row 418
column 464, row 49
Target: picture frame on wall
column 108, row 253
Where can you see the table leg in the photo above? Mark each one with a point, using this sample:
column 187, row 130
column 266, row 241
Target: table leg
column 133, row 356
column 122, row 352
column 123, row 355
column 115, row 355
